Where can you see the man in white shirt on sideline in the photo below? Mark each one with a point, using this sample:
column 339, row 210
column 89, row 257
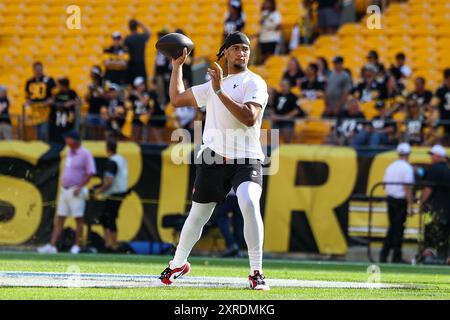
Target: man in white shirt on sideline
column 399, row 201
column 234, row 105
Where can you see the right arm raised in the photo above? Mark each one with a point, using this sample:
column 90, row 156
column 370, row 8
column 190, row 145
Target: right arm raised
column 179, row 96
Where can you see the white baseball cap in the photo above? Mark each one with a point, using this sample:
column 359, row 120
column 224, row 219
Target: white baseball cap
column 438, row 150
column 138, row 80
column 404, row 148
column 116, row 35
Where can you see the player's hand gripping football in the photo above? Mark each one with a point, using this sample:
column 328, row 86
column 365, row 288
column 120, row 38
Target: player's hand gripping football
column 181, row 59
column 216, row 75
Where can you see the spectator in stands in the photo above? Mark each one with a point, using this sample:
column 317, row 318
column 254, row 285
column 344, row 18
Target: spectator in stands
column 329, row 15
column 393, row 94
column 157, row 118
column 420, row 93
column 139, row 100
column 114, row 112
column 79, row 168
column 95, row 98
column 270, row 31
column 64, row 112
column 187, row 65
column 337, row 89
column 136, row 42
column 39, row 92
column 372, row 58
column 369, row 88
column 311, row 87
column 400, row 70
column 162, row 73
column 293, row 72
column 349, row 123
column 284, row 109
column 235, row 18
column 5, row 119
column 324, row 70
column 443, row 104
column 379, row 131
column 415, row 123
column 231, row 227
column 115, row 60
column 435, row 200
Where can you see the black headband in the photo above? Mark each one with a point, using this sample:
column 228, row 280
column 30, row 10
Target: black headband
column 232, row 39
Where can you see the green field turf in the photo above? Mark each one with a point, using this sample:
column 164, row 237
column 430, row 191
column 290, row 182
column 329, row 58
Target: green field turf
column 433, row 281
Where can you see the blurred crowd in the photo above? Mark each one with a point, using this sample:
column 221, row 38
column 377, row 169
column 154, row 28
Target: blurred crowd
column 124, row 102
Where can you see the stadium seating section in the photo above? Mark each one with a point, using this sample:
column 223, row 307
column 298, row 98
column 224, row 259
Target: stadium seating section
column 36, row 30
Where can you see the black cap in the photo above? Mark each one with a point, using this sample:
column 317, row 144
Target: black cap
column 379, row 105
column 338, row 59
column 372, row 54
column 74, row 135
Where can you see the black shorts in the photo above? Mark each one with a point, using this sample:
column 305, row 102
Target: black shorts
column 214, row 181
column 111, row 212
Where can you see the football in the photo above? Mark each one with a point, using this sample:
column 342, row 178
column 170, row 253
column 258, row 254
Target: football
column 172, row 44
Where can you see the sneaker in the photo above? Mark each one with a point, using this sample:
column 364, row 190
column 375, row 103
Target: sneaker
column 169, row 274
column 75, row 249
column 257, row 281
column 48, row 248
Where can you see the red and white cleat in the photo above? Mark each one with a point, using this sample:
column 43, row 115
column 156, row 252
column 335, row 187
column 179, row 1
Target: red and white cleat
column 257, row 281
column 169, row 275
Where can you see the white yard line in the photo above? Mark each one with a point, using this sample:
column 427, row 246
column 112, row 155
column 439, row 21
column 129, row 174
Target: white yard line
column 103, row 280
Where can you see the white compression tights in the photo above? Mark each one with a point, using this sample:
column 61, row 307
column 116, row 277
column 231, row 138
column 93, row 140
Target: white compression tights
column 248, row 194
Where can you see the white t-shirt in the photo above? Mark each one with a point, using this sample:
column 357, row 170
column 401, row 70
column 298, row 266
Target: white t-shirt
column 224, row 133
column 399, row 171
column 268, row 32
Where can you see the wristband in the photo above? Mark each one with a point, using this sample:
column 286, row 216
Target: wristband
column 219, row 91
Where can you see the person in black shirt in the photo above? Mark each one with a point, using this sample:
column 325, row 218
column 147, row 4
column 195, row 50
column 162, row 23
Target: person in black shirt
column 235, row 20
column 443, row 103
column 349, row 123
column 294, row 72
column 63, row 113
column 400, row 70
column 435, row 201
column 329, row 15
column 115, row 59
column 114, row 112
column 38, row 92
column 379, row 131
column 95, row 97
column 162, row 73
column 284, row 110
column 420, row 93
column 139, row 100
column 369, row 88
column 5, row 120
column 393, row 94
column 311, row 87
column 415, row 123
column 136, row 42
column 157, row 117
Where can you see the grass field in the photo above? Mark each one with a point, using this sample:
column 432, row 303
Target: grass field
column 433, row 281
